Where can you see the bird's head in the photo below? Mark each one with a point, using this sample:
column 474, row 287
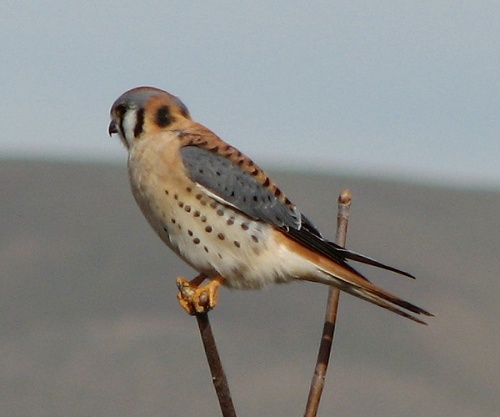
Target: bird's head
column 145, row 110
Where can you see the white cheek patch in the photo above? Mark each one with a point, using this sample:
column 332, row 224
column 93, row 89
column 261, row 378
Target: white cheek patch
column 129, row 123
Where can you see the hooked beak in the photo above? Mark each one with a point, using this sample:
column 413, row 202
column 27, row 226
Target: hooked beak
column 112, row 128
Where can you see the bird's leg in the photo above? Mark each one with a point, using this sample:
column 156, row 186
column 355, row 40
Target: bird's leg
column 195, row 299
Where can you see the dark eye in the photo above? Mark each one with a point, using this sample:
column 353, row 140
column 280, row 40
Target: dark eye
column 120, row 110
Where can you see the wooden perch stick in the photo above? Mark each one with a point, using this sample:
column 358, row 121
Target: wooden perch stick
column 218, row 376
column 325, row 347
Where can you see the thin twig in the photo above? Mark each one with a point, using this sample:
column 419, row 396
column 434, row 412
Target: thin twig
column 325, row 347
column 218, row 376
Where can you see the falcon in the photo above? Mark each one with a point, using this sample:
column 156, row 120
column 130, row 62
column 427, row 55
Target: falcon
column 223, row 215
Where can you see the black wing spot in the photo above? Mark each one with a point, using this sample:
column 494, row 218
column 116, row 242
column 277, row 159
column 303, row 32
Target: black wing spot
column 257, row 198
column 163, row 116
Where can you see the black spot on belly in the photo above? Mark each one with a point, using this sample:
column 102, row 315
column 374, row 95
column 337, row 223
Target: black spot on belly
column 208, row 229
column 196, row 240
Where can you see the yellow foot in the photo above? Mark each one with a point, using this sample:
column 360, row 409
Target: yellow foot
column 195, row 299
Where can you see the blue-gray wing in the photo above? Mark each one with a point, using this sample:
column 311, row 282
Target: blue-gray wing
column 231, row 185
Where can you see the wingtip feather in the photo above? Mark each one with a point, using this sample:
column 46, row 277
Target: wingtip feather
column 357, row 257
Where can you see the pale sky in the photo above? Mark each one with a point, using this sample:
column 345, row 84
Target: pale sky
column 401, row 89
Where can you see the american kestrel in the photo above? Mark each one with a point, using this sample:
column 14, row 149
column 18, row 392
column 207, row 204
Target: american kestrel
column 217, row 210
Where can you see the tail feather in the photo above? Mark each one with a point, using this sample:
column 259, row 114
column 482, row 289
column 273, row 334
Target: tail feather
column 334, row 252
column 331, row 268
column 382, row 302
column 350, row 282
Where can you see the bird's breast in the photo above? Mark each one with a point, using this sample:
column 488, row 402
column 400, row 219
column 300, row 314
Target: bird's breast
column 213, row 238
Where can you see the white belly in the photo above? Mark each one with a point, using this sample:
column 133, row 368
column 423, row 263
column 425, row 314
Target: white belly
column 213, row 238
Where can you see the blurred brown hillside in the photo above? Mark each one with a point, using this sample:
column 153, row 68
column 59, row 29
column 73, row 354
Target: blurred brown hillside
column 89, row 324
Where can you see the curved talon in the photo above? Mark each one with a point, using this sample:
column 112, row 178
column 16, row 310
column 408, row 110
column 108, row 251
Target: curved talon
column 195, row 299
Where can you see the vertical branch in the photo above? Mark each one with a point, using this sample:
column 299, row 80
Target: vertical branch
column 325, row 347
column 218, row 376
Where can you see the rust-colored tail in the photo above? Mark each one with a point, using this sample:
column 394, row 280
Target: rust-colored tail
column 341, row 275
column 349, row 280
